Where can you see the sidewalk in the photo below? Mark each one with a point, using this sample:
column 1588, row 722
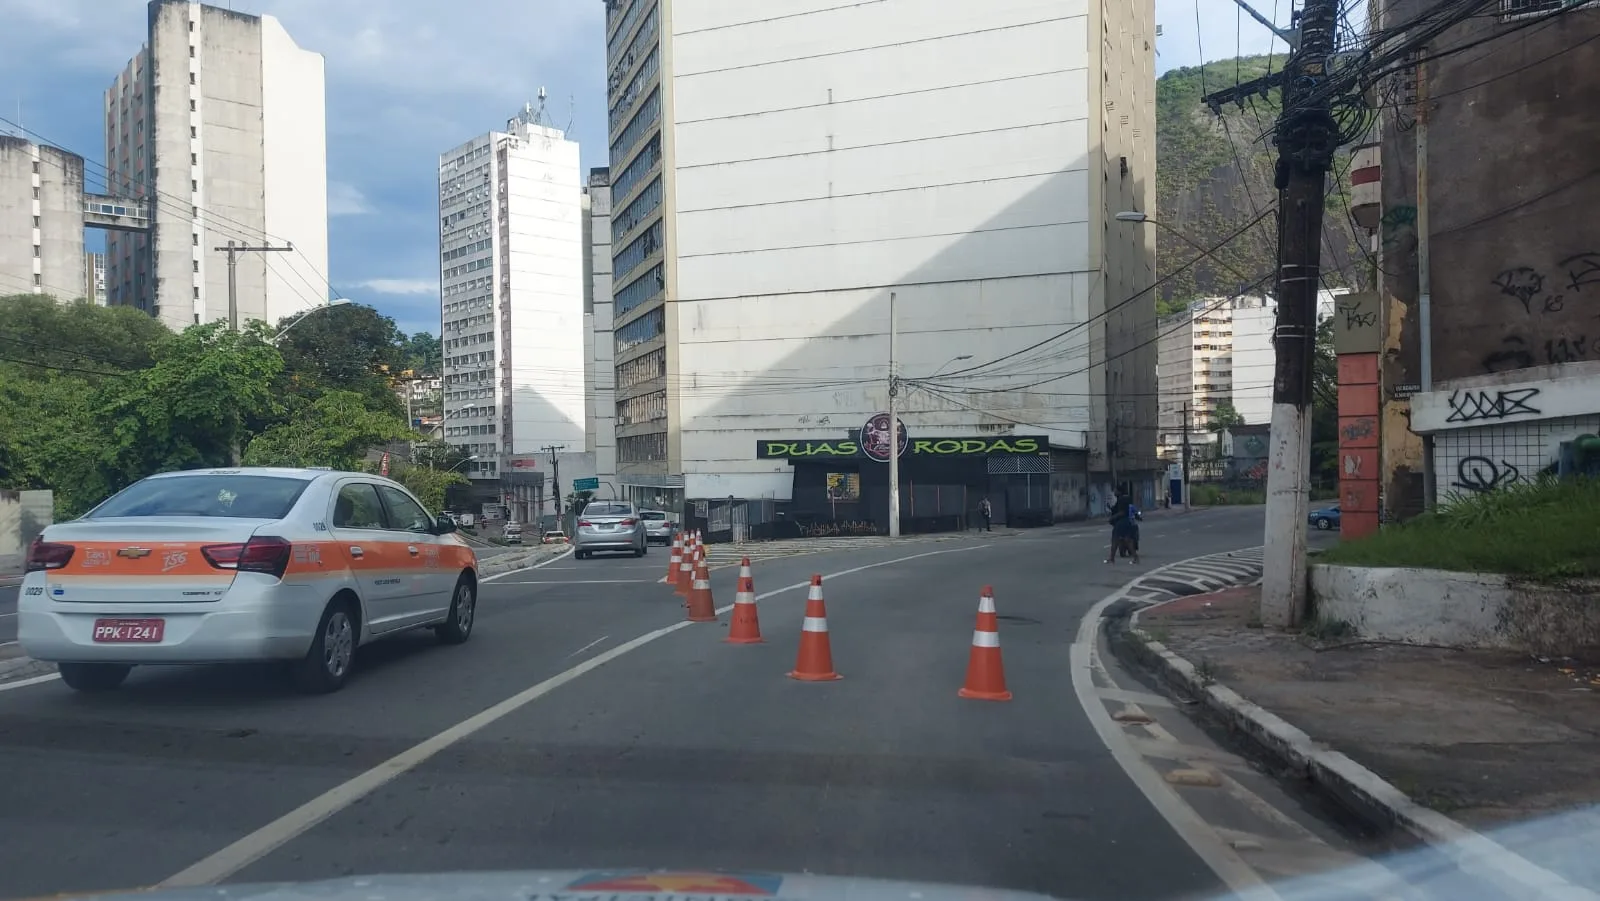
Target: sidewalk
column 1483, row 738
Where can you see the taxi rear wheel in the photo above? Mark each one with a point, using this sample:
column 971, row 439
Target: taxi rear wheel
column 457, row 626
column 93, row 676
column 328, row 662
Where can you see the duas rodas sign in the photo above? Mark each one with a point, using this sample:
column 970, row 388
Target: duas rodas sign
column 850, row 448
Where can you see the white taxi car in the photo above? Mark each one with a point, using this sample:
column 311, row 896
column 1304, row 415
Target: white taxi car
column 250, row 564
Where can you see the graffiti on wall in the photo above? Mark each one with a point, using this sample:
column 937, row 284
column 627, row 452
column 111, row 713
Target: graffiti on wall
column 1486, row 405
column 1540, row 294
column 1479, row 474
column 1399, row 228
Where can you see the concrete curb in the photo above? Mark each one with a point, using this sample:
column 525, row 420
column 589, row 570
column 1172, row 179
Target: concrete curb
column 1350, row 783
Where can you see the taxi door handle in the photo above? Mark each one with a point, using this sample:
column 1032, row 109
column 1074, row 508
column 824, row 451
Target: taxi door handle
column 356, row 551
column 413, row 550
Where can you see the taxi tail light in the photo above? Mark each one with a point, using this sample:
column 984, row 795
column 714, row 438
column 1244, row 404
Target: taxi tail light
column 44, row 555
column 266, row 554
column 584, row 523
column 630, row 522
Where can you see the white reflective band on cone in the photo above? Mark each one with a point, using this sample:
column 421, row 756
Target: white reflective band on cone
column 986, row 604
column 985, row 639
column 815, row 624
column 744, row 597
column 815, row 594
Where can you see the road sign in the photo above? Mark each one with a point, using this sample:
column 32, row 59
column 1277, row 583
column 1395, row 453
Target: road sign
column 585, row 484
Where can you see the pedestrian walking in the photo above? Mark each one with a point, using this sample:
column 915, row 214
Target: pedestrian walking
column 985, row 508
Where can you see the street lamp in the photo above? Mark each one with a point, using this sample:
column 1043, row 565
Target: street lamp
column 949, row 361
column 467, row 459
column 336, row 302
column 1135, row 216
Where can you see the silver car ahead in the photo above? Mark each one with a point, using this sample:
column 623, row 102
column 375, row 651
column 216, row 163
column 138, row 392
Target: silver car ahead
column 658, row 526
column 610, row 526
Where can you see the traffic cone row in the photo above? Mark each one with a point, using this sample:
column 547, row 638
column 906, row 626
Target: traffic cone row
column 986, row 676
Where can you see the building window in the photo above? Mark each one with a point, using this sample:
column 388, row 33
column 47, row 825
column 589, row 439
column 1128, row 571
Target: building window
column 194, row 106
column 196, row 238
column 196, row 292
column 197, row 265
column 646, row 327
column 194, row 159
column 191, row 78
column 191, row 51
column 194, row 132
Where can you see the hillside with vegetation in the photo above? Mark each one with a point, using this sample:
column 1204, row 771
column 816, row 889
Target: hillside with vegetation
column 1215, row 173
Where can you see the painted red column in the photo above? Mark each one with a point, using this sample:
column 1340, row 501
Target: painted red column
column 1359, row 470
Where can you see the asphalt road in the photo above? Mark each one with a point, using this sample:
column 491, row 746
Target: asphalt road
column 678, row 751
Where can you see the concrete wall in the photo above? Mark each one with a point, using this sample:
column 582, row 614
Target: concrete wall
column 828, row 157
column 1496, row 430
column 1511, row 240
column 1466, row 610
column 23, row 515
column 294, row 153
column 41, row 220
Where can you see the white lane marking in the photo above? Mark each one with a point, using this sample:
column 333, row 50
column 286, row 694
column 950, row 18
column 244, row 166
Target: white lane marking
column 275, row 834
column 587, row 646
column 24, row 683
column 1195, row 832
column 3, row 615
column 561, row 556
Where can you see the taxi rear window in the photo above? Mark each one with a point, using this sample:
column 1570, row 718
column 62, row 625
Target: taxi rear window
column 654, row 517
column 607, row 510
column 237, row 496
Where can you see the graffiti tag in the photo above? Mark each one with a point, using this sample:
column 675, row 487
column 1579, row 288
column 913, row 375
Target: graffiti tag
column 1567, row 350
column 1357, row 429
column 1355, row 318
column 1513, row 354
column 1522, row 282
column 1479, row 474
column 1479, row 406
column 1582, row 269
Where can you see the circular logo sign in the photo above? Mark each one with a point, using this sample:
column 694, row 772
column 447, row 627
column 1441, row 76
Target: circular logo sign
column 876, row 441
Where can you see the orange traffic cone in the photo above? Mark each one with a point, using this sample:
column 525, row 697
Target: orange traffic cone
column 685, row 579
column 986, row 674
column 815, row 661
column 701, row 608
column 676, row 560
column 746, row 627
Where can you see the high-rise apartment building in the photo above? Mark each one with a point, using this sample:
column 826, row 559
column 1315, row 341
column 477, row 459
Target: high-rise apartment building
column 511, row 280
column 779, row 175
column 94, row 278
column 1194, row 372
column 218, row 123
column 41, row 220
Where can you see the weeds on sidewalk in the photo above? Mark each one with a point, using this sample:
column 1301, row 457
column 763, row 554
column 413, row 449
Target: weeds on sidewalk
column 1541, row 530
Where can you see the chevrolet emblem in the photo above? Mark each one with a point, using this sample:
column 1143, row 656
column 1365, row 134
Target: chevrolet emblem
column 134, row 553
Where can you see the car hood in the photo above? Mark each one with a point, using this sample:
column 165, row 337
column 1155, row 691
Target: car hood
column 563, row 885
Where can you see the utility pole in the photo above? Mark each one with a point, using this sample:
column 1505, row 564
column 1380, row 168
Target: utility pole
column 555, row 475
column 1307, row 137
column 894, row 425
column 1186, row 504
column 233, row 250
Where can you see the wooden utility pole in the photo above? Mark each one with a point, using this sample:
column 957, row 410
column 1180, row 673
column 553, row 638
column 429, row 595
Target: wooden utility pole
column 1307, row 136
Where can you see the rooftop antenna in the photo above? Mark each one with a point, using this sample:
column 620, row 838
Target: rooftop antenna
column 572, row 111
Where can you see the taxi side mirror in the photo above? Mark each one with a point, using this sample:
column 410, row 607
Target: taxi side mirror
column 443, row 526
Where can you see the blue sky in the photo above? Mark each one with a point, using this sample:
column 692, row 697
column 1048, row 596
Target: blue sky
column 406, row 80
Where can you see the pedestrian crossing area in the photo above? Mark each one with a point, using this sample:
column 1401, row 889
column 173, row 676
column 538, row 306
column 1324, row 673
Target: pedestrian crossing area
column 718, row 555
column 1213, row 572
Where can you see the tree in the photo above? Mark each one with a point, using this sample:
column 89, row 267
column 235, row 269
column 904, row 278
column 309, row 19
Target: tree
column 1325, row 407
column 350, row 347
column 429, row 485
column 423, row 354
column 38, row 329
column 190, row 408
column 335, row 430
column 1225, row 416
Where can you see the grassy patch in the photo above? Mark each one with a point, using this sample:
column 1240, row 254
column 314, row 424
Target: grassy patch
column 1545, row 530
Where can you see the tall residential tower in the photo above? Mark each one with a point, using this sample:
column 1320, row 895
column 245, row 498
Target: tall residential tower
column 218, row 124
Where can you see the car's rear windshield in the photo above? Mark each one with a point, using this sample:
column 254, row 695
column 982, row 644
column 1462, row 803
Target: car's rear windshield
column 607, row 510
column 240, row 496
column 653, row 517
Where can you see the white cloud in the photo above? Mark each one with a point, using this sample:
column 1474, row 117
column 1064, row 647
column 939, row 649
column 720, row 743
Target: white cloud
column 345, row 199
column 400, row 285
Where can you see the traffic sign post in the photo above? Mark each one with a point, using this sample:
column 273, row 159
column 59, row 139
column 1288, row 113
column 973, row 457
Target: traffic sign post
column 586, row 484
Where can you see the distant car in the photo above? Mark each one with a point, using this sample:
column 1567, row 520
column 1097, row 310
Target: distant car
column 555, row 536
column 236, row 565
column 658, row 526
column 512, row 534
column 610, row 526
column 1325, row 518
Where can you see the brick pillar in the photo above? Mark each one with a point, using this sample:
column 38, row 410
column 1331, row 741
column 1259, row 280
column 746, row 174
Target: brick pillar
column 1356, row 341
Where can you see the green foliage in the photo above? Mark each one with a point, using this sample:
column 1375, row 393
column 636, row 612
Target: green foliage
column 429, row 485
column 1325, row 408
column 335, row 431
column 350, row 347
column 95, row 398
column 1205, row 192
column 423, row 354
column 1542, row 530
column 1225, row 416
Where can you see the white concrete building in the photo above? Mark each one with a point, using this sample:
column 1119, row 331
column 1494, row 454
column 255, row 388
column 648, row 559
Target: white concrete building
column 511, row 276
column 778, row 174
column 219, row 125
column 1194, row 374
column 94, row 278
column 1254, row 360
column 41, row 220
column 600, row 375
